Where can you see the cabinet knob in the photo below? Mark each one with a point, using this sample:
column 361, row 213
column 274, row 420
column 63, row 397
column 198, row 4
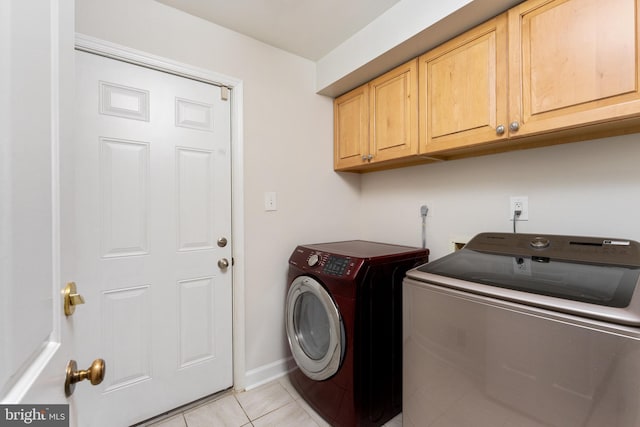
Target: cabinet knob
column 500, row 130
column 514, row 126
column 367, row 157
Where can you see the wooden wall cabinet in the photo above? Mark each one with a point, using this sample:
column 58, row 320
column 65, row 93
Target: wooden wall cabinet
column 463, row 89
column 546, row 68
column 351, row 129
column 571, row 63
column 544, row 72
column 377, row 123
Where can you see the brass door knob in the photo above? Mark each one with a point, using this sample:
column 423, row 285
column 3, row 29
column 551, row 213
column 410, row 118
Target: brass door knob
column 71, row 298
column 95, row 374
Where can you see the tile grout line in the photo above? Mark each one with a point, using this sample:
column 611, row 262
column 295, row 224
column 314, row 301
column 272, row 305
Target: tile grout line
column 235, row 396
column 293, row 400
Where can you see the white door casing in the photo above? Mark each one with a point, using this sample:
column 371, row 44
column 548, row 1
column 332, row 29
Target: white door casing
column 152, row 197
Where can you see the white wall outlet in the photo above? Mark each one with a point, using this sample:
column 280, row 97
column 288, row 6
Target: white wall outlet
column 270, row 202
column 520, row 203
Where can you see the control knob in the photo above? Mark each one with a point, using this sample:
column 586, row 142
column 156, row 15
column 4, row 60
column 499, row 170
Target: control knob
column 540, row 243
column 313, row 260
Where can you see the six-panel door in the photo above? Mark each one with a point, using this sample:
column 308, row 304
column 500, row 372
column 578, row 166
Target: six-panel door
column 151, row 198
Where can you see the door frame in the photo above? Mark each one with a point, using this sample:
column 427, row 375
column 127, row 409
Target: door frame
column 114, row 51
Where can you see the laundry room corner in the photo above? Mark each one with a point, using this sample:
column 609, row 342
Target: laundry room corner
column 287, row 150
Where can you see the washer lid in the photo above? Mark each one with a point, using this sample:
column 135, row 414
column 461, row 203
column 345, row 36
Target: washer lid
column 610, row 286
column 590, row 271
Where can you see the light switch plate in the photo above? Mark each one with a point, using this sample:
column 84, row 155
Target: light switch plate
column 270, row 202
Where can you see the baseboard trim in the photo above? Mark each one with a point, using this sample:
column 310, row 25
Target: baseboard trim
column 267, row 373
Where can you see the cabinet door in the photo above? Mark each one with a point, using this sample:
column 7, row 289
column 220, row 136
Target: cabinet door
column 572, row 62
column 393, row 113
column 463, row 89
column 351, row 128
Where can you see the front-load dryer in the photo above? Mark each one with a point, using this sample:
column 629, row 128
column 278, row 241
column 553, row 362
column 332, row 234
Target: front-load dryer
column 344, row 326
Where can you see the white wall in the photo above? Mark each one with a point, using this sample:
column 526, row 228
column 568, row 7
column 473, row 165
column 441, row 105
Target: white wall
column 585, row 188
column 404, row 31
column 287, row 149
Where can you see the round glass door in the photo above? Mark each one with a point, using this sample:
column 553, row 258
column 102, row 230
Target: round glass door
column 314, row 329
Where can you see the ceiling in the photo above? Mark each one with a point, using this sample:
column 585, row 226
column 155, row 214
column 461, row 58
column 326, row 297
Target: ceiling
column 308, row 28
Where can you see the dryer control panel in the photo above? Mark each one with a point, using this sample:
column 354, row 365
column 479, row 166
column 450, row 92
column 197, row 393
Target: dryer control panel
column 325, row 263
column 337, row 265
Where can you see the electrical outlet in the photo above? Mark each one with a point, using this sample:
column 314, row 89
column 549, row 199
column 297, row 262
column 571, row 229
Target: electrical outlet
column 520, row 203
column 517, row 206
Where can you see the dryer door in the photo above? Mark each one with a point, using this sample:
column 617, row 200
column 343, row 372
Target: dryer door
column 314, row 329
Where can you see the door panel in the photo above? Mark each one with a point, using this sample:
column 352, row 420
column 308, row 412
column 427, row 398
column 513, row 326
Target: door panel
column 152, row 195
column 124, row 197
column 126, row 336
column 194, row 176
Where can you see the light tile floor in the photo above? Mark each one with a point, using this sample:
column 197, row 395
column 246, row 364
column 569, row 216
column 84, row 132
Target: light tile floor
column 274, row 404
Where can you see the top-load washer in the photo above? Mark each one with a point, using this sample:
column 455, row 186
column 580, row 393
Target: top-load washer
column 343, row 323
column 522, row 329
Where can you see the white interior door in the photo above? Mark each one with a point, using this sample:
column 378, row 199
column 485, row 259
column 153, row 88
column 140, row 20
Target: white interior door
column 33, row 92
column 152, row 197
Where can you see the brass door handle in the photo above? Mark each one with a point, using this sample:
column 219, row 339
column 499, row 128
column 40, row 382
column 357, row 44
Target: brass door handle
column 71, row 298
column 95, row 374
